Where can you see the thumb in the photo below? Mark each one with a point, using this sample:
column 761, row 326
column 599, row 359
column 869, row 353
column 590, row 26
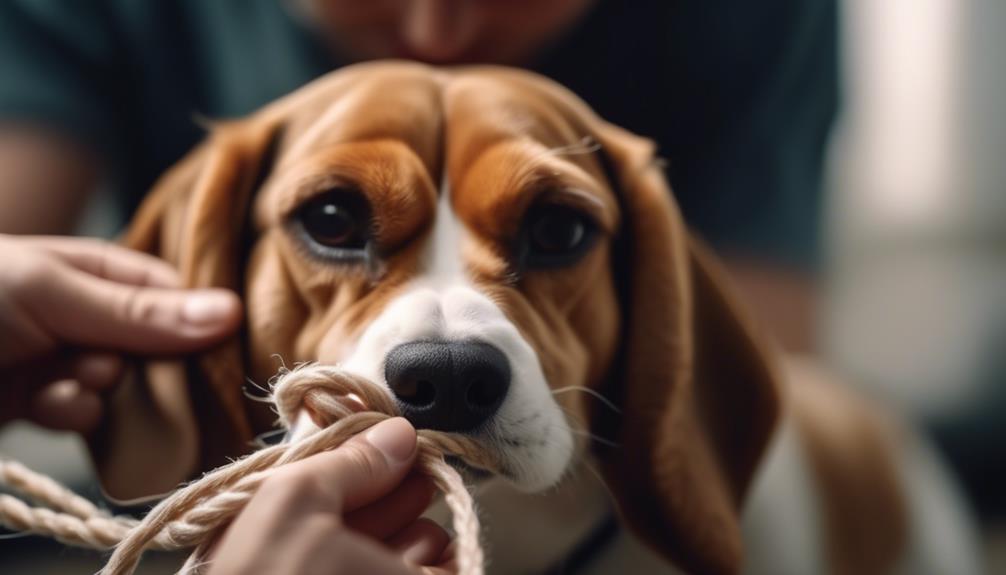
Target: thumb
column 80, row 308
column 357, row 473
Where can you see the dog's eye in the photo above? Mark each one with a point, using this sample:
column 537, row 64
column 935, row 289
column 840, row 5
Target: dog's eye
column 555, row 235
column 337, row 220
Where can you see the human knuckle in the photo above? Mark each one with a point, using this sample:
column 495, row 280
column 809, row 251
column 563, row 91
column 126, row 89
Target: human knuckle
column 95, row 245
column 321, row 523
column 105, row 254
column 136, row 306
column 30, row 273
column 364, row 458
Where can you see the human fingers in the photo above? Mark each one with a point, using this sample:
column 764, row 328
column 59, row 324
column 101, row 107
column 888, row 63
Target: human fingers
column 66, row 405
column 106, row 260
column 447, row 562
column 71, row 397
column 395, row 511
column 359, row 472
column 294, row 522
column 63, row 391
column 317, row 543
column 422, row 542
column 79, row 308
column 96, row 370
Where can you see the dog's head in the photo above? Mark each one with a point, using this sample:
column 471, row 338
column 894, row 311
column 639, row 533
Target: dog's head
column 482, row 245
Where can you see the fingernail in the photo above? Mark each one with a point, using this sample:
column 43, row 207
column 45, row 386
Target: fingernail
column 395, row 438
column 207, row 307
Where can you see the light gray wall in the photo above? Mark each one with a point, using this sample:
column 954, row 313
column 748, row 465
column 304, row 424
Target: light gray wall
column 917, row 282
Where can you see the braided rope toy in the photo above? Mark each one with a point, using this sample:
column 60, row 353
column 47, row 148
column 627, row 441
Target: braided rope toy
column 195, row 514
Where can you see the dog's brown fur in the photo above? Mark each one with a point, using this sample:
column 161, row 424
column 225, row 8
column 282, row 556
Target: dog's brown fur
column 646, row 317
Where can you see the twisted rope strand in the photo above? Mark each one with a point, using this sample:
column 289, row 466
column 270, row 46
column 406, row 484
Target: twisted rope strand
column 99, row 532
column 194, row 515
column 45, row 491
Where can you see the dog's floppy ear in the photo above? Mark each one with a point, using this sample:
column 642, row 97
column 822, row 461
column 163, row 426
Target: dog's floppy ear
column 174, row 418
column 699, row 396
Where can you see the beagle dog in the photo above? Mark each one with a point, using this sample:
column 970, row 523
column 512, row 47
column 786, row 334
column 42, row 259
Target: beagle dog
column 506, row 264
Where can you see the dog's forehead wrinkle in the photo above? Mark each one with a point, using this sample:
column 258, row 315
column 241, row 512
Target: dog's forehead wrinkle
column 319, row 127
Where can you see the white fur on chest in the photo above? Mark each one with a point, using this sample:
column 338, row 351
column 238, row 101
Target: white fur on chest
column 781, row 523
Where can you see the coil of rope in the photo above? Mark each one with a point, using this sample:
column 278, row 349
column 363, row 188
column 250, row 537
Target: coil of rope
column 193, row 516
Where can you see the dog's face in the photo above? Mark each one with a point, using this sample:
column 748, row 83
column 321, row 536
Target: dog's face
column 482, row 246
column 448, row 239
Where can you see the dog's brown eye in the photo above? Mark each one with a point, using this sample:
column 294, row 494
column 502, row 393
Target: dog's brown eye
column 330, row 224
column 336, row 223
column 555, row 235
column 557, row 231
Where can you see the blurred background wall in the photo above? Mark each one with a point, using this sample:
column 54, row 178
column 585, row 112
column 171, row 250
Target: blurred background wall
column 916, row 290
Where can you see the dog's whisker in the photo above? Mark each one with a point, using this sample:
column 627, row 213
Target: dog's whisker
column 582, row 462
column 610, row 404
column 574, row 418
column 582, row 430
column 595, row 437
column 587, row 465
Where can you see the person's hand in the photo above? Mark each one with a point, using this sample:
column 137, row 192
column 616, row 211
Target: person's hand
column 69, row 309
column 355, row 509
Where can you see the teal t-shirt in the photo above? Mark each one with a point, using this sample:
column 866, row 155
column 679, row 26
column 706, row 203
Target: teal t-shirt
column 739, row 95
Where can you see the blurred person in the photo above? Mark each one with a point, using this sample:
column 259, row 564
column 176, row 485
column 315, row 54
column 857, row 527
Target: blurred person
column 738, row 96
column 320, row 513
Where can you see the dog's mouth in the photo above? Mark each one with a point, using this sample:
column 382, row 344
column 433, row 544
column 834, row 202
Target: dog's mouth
column 489, row 455
column 485, row 461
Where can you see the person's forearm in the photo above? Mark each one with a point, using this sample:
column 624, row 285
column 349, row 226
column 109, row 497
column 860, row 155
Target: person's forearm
column 45, row 181
column 784, row 301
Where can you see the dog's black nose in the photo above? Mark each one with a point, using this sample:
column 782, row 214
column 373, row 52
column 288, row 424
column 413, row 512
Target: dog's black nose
column 449, row 386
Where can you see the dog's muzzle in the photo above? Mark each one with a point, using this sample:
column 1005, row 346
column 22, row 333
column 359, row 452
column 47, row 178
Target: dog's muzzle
column 448, row 386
